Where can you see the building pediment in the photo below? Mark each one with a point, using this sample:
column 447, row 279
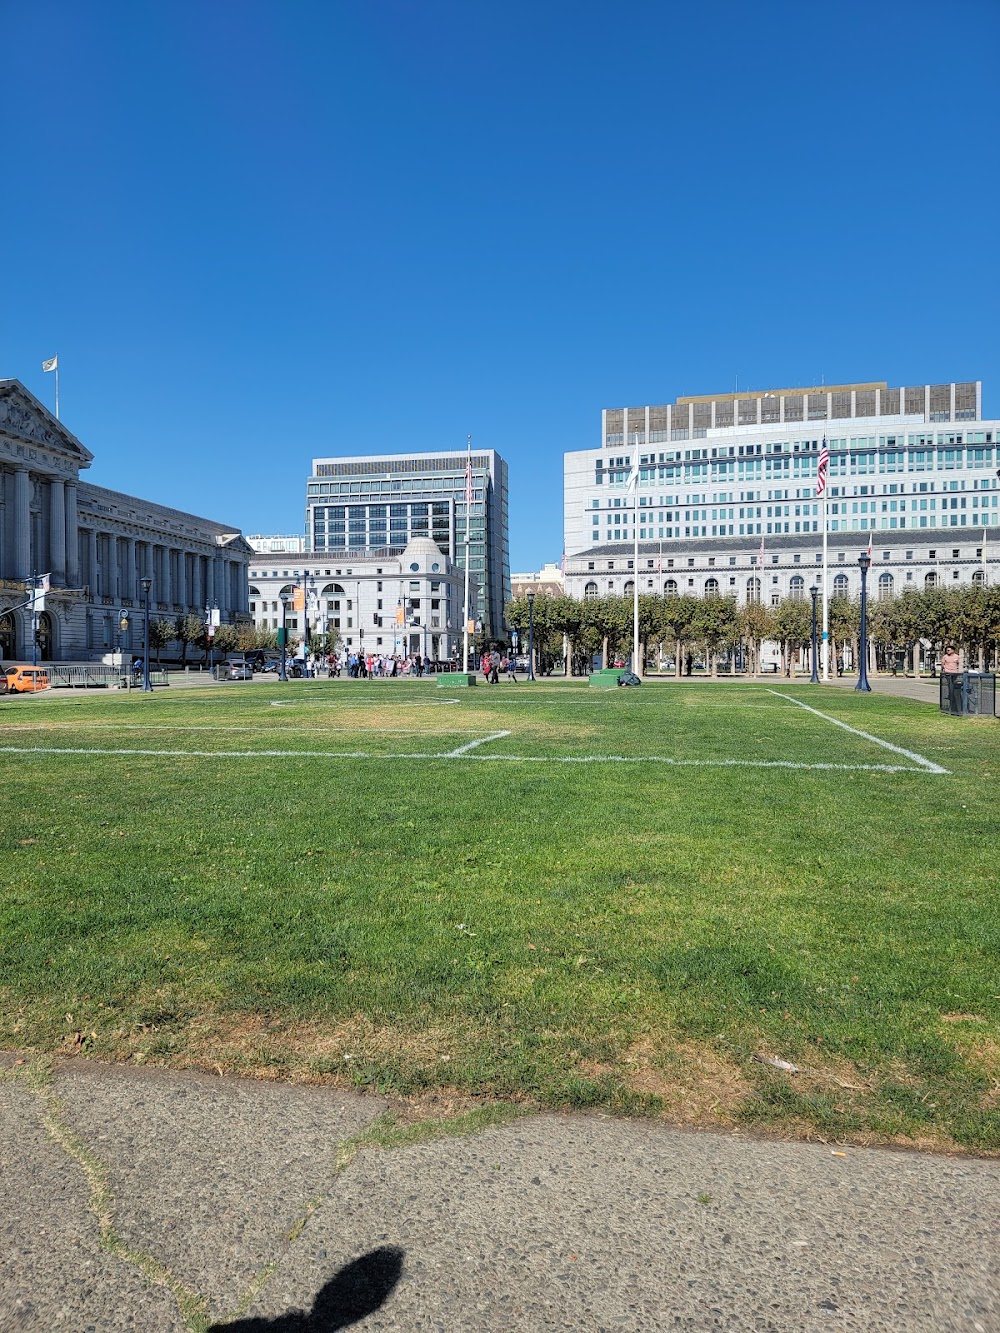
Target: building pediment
column 236, row 544
column 29, row 432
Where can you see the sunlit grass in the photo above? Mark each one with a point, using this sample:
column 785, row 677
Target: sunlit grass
column 623, row 935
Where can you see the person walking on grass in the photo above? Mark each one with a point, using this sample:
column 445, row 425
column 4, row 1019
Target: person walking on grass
column 509, row 665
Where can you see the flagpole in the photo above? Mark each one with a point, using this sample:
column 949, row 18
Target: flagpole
column 468, row 540
column 636, row 665
column 57, row 391
column 826, row 603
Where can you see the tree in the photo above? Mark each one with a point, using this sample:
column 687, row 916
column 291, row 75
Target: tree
column 226, row 639
column 161, row 632
column 190, row 631
column 715, row 624
column 756, row 624
column 792, row 620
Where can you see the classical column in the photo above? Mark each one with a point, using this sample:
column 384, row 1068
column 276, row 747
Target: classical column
column 72, row 538
column 57, row 532
column 93, row 579
column 221, row 583
column 22, row 524
column 182, row 588
column 165, row 594
column 129, row 589
column 210, row 593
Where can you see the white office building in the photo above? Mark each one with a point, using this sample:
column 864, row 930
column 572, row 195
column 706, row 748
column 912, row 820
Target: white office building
column 722, row 478
column 380, row 602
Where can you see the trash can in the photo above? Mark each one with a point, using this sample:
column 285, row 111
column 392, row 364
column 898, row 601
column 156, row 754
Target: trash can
column 968, row 693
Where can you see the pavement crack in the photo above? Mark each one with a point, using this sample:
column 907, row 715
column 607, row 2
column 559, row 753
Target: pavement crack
column 37, row 1078
column 384, row 1134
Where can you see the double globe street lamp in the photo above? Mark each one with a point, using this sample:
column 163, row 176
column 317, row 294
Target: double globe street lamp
column 864, row 561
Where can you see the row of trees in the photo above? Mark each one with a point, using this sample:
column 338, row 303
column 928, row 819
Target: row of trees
column 715, row 627
column 191, row 633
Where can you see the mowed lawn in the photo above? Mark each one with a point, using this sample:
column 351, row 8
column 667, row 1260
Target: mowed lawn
column 625, row 900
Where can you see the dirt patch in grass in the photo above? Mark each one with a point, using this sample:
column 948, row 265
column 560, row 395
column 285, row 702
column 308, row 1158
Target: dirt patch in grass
column 310, row 1051
column 697, row 1086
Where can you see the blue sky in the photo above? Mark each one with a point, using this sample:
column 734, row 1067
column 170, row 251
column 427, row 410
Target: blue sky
column 256, row 233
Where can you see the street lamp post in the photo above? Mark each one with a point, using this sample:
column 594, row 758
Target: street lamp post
column 814, row 678
column 864, row 562
column 531, row 636
column 146, row 584
column 282, row 673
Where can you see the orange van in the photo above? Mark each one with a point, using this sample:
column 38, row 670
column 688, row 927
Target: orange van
column 26, row 679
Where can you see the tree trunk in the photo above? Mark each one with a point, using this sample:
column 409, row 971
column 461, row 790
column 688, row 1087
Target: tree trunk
column 677, row 659
column 714, row 660
column 916, row 660
column 604, row 653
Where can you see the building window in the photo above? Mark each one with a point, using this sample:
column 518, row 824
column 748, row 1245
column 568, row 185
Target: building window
column 590, row 591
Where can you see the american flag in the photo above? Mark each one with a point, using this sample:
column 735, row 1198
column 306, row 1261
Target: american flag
column 869, row 546
column 824, row 463
column 760, row 553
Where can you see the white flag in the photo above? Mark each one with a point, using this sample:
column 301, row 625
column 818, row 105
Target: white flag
column 633, row 476
column 51, row 364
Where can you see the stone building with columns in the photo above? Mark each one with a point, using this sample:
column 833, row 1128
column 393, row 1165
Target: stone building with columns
column 96, row 546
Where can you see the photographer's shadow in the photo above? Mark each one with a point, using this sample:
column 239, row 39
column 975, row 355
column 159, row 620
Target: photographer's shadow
column 360, row 1288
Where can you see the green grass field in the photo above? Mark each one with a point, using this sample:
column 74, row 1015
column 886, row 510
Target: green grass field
column 548, row 894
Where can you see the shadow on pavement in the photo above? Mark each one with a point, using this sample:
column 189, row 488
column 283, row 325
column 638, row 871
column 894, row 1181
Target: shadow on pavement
column 357, row 1290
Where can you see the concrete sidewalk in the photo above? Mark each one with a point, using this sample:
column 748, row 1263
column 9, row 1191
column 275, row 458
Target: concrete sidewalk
column 150, row 1200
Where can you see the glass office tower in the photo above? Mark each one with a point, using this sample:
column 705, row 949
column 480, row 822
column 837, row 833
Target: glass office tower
column 378, row 502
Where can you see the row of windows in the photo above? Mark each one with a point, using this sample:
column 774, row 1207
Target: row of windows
column 796, row 585
column 933, row 553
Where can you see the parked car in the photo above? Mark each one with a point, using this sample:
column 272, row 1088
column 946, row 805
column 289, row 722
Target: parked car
column 26, row 679
column 271, row 664
column 233, row 668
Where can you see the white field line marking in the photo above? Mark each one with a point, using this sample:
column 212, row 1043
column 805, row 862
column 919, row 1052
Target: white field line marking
column 464, row 749
column 886, row 745
column 484, row 758
column 264, row 731
column 342, row 703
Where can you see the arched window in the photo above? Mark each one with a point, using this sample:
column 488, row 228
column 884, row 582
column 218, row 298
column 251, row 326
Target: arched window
column 254, row 592
column 753, row 590
column 840, row 585
column 711, row 587
column 590, row 591
column 332, row 590
column 884, row 586
column 629, row 589
column 797, row 588
column 670, row 588
column 978, row 579
column 930, row 580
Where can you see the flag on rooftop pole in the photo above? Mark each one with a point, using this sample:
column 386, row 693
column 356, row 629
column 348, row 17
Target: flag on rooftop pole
column 53, row 364
column 869, row 546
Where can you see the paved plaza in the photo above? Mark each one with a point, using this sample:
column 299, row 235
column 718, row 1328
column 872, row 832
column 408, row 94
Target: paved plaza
column 147, row 1199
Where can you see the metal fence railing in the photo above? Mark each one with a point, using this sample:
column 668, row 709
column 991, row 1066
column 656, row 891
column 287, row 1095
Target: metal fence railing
column 98, row 676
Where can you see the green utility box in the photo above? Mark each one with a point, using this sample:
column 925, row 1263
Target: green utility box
column 606, row 679
column 459, row 679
